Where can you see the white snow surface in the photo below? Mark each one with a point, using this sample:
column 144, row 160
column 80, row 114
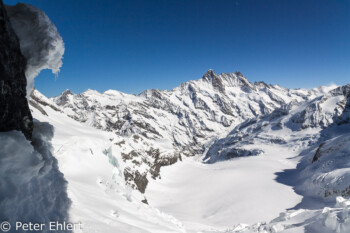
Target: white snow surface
column 40, row 42
column 223, row 194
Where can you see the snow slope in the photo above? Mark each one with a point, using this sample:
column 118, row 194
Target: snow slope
column 93, row 167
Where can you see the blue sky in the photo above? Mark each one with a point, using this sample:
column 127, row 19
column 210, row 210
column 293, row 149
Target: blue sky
column 136, row 45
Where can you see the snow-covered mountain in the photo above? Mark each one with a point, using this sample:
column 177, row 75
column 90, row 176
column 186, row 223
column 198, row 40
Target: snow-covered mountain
column 306, row 135
column 300, row 123
column 319, row 128
column 159, row 127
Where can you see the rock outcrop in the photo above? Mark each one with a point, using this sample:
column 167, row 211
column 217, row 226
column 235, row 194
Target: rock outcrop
column 14, row 109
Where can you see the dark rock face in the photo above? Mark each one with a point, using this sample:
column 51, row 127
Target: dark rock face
column 139, row 181
column 216, row 81
column 318, row 153
column 14, row 109
column 64, row 97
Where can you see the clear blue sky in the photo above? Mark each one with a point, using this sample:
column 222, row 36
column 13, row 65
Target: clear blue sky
column 136, row 45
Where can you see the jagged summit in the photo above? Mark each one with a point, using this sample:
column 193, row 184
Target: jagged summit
column 238, row 73
column 216, row 80
column 223, row 80
column 209, row 74
column 67, row 92
column 261, row 84
column 64, row 97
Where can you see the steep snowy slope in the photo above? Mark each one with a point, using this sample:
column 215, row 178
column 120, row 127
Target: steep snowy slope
column 325, row 168
column 159, row 127
column 93, row 167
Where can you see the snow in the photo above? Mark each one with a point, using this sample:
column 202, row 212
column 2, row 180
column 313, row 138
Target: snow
column 220, row 195
column 40, row 42
column 32, row 187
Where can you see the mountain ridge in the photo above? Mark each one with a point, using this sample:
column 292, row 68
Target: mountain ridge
column 260, row 84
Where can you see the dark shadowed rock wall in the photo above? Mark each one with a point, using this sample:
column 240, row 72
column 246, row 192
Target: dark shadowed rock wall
column 14, row 109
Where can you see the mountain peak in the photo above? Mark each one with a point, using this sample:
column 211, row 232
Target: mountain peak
column 91, row 92
column 239, row 74
column 216, row 81
column 67, row 92
column 63, row 98
column 209, row 74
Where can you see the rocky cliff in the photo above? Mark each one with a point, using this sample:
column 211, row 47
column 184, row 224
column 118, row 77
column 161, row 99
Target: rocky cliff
column 14, row 110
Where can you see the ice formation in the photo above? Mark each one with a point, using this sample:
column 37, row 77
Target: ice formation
column 40, row 42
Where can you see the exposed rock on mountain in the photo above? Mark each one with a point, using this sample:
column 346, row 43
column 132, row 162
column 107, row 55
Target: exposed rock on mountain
column 15, row 113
